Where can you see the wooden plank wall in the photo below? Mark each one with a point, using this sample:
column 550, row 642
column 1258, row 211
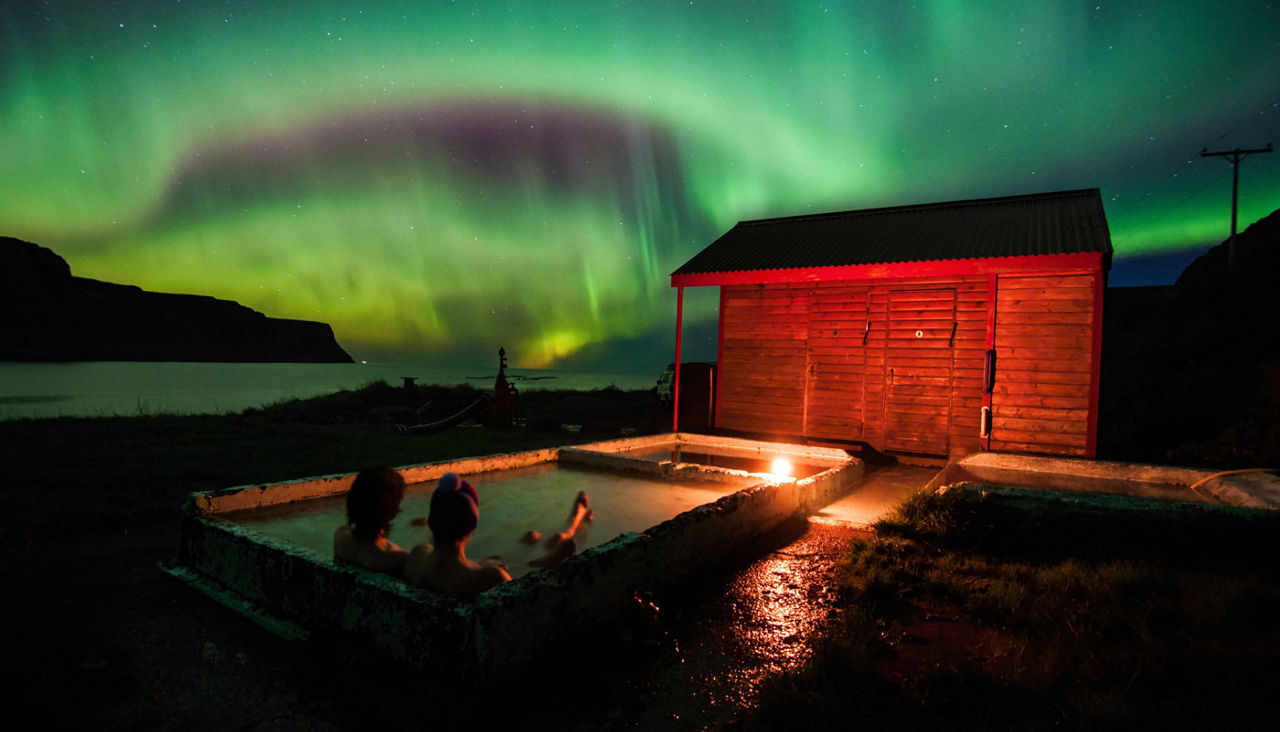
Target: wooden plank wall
column 836, row 387
column 1044, row 359
column 970, row 362
column 918, row 370
column 968, row 358
column 763, row 334
column 773, row 336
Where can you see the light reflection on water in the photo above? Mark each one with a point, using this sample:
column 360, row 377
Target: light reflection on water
column 766, row 618
column 777, row 604
column 511, row 503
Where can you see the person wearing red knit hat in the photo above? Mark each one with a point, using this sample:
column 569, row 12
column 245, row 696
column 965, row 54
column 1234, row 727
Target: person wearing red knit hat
column 455, row 511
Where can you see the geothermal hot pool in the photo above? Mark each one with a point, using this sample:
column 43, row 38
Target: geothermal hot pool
column 512, row 502
column 1072, row 483
column 761, row 460
column 266, row 551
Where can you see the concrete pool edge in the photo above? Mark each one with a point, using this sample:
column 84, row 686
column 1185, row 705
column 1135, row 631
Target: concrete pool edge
column 261, row 495
column 511, row 622
column 614, row 454
column 1248, row 490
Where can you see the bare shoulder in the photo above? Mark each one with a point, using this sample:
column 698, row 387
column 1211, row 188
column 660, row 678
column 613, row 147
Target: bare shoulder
column 499, row 572
column 489, row 575
column 389, row 559
column 415, row 565
column 472, row 578
column 344, row 543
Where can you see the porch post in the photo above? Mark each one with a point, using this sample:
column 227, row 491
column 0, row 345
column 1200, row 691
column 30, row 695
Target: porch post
column 675, row 386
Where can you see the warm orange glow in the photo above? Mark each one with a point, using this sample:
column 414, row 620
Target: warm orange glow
column 781, row 467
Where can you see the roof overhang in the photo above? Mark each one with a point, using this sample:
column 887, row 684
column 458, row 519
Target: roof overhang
column 1081, row 262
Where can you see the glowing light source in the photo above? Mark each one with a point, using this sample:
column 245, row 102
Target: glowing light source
column 780, row 467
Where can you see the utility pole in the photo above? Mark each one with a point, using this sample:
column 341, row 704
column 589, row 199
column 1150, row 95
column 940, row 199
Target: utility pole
column 1237, row 156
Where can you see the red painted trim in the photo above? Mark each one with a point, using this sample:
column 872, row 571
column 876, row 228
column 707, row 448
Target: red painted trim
column 1084, row 261
column 719, row 354
column 1095, row 370
column 675, row 384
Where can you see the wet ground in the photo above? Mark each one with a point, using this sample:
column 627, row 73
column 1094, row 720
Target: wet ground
column 112, row 641
column 727, row 639
column 761, row 616
column 878, row 494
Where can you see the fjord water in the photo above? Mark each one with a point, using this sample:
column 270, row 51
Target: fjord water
column 128, row 388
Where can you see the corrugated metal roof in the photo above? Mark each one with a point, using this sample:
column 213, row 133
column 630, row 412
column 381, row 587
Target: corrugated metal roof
column 1066, row 222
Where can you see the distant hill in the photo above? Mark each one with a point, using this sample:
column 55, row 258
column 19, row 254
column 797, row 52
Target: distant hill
column 1191, row 372
column 46, row 314
column 1257, row 259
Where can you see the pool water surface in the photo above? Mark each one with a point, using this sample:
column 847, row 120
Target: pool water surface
column 512, row 502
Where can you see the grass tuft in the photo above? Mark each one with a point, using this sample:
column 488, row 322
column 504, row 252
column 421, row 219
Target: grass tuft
column 974, row 609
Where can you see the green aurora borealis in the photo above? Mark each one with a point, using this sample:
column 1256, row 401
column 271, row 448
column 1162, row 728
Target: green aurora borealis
column 437, row 179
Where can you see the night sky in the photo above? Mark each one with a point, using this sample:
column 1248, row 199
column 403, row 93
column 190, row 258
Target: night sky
column 436, row 179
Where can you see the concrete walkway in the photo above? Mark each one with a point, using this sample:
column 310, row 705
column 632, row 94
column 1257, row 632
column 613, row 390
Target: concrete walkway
column 879, row 493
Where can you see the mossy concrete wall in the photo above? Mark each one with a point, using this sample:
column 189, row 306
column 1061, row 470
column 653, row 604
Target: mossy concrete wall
column 244, row 497
column 509, row 623
column 1245, row 488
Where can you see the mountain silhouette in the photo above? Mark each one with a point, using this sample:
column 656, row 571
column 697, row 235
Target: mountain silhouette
column 47, row 314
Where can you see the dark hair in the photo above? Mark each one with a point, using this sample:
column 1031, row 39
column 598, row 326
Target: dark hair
column 453, row 515
column 374, row 499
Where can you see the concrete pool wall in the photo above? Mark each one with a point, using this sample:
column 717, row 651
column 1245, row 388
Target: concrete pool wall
column 1241, row 488
column 293, row 590
column 634, row 454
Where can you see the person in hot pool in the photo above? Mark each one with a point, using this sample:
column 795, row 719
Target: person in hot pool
column 373, row 500
column 455, row 511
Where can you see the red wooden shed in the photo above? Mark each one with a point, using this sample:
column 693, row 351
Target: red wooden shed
column 934, row 329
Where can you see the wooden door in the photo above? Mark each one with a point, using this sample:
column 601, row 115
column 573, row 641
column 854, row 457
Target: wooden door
column 835, row 376
column 918, row 364
column 1044, row 340
column 763, row 329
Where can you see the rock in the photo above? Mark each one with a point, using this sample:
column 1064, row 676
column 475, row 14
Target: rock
column 47, row 314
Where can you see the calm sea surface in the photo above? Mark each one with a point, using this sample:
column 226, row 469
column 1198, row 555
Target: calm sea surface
column 125, row 388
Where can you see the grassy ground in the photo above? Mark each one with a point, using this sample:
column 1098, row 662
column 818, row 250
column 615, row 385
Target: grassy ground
column 89, row 507
column 967, row 611
column 960, row 613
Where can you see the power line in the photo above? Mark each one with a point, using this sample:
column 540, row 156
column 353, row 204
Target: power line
column 1138, row 201
column 1237, row 156
column 1134, row 233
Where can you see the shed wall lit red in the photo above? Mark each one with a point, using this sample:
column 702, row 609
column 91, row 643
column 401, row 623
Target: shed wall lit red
column 939, row 329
